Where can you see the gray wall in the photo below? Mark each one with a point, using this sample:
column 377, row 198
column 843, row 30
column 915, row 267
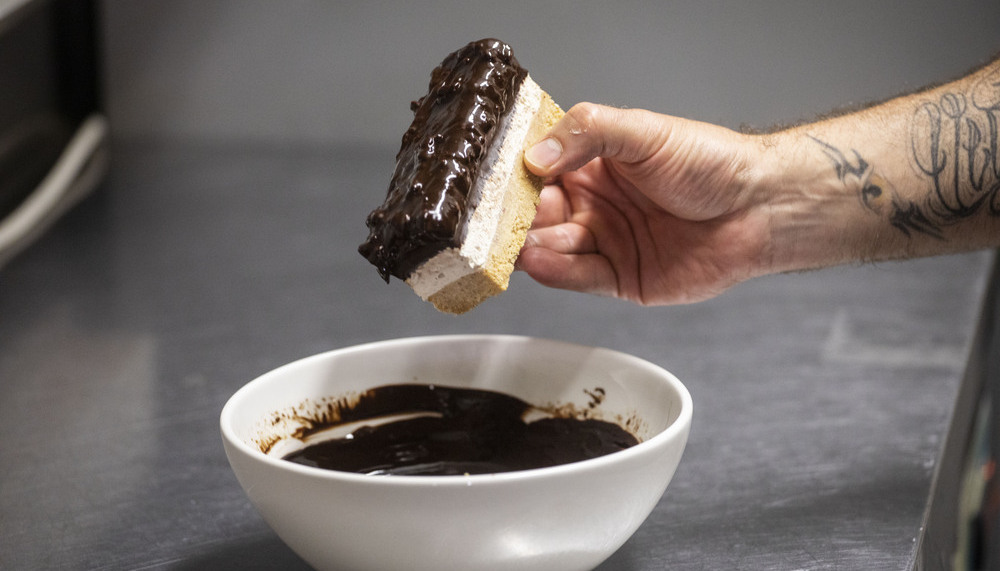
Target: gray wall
column 329, row 72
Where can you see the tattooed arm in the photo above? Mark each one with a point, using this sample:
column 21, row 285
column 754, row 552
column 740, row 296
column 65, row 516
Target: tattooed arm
column 918, row 175
column 662, row 210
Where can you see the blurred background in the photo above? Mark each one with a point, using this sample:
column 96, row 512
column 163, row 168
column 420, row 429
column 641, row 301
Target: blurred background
column 305, row 73
column 308, row 71
column 248, row 140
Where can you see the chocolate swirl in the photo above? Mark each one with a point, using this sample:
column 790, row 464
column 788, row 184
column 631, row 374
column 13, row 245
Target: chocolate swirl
column 455, row 431
column 427, row 206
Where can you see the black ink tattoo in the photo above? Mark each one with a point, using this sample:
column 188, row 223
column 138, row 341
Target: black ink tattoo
column 877, row 194
column 955, row 145
column 905, row 218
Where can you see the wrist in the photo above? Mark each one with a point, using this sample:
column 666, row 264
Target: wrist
column 816, row 218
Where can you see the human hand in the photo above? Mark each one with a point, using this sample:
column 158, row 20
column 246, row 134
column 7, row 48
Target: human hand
column 645, row 207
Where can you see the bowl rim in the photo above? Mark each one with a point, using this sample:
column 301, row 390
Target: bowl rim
column 680, row 424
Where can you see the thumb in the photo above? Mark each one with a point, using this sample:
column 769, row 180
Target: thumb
column 589, row 130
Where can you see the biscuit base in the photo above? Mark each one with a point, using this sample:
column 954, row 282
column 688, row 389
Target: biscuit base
column 521, row 199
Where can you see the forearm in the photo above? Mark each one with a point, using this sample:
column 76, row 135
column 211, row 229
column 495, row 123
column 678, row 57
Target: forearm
column 916, row 176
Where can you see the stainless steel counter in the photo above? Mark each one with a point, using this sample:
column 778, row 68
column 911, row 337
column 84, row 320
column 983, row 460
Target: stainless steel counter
column 821, row 399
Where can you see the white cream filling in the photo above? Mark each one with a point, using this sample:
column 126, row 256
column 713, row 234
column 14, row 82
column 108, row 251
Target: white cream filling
column 488, row 194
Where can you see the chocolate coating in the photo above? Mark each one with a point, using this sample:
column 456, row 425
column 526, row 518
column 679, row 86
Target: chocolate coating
column 471, row 431
column 427, row 207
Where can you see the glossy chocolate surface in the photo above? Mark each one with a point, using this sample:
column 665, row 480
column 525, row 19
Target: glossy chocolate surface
column 427, row 205
column 458, row 431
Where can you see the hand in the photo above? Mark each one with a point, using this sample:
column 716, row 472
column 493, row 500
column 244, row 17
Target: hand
column 645, row 207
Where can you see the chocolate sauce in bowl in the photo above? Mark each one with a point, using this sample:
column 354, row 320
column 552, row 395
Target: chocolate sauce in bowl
column 427, row 206
column 455, row 431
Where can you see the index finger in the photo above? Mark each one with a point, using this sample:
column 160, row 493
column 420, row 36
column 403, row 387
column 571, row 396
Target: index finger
column 553, row 208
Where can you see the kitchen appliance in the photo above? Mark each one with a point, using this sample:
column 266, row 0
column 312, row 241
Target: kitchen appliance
column 53, row 134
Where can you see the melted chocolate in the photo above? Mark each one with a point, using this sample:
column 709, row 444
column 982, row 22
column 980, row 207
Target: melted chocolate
column 427, row 205
column 469, row 431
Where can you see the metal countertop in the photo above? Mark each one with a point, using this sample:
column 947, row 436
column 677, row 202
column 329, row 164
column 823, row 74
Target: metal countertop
column 821, row 399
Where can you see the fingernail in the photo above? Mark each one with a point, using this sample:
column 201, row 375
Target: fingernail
column 545, row 153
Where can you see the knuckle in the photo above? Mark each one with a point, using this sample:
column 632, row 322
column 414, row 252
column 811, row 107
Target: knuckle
column 582, row 118
column 582, row 132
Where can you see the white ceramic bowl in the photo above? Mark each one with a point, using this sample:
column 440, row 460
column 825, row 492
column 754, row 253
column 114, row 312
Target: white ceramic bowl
column 571, row 516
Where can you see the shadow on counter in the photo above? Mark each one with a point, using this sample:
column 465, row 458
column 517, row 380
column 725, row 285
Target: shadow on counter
column 259, row 552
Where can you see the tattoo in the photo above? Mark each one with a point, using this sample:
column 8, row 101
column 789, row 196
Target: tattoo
column 877, row 194
column 955, row 146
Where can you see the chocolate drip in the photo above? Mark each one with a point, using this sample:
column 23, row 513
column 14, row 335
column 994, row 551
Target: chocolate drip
column 469, row 431
column 426, row 208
